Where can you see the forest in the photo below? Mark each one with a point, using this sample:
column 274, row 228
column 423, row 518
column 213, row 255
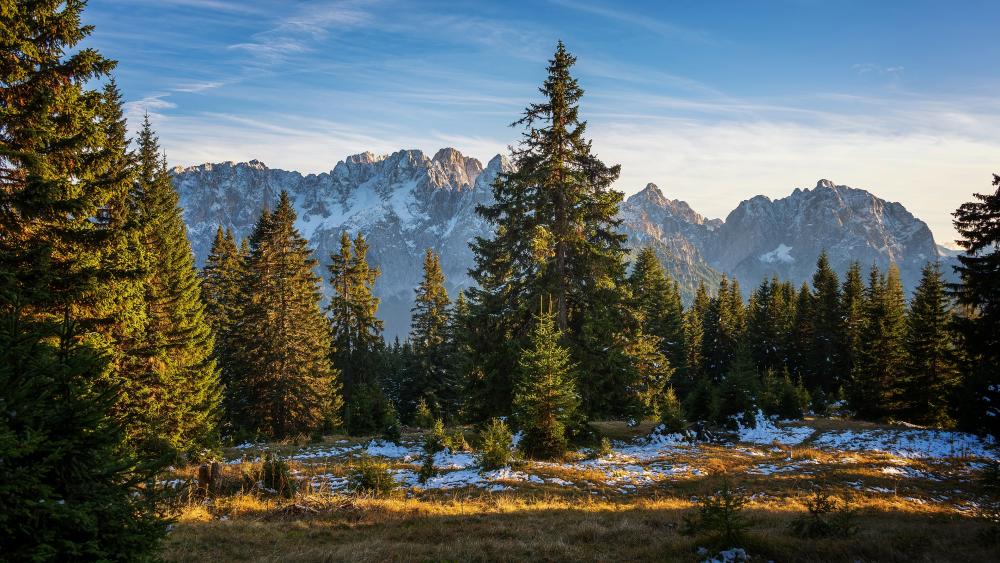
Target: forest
column 131, row 380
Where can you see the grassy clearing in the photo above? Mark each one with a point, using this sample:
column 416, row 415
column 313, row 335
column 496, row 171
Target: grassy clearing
column 908, row 510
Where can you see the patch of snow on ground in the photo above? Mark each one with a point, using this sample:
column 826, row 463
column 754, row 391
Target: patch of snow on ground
column 911, row 444
column 766, row 432
column 458, row 460
column 389, row 450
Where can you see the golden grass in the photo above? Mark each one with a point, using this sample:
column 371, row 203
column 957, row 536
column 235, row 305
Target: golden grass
column 548, row 522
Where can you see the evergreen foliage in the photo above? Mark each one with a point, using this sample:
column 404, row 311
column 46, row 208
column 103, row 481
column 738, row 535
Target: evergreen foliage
column 179, row 400
column 882, row 359
column 495, row 445
column 69, row 488
column 978, row 298
column 556, row 236
column 545, row 399
column 931, row 370
column 430, row 377
column 827, row 346
column 288, row 385
column 672, row 412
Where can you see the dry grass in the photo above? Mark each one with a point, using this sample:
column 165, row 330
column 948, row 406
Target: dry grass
column 901, row 518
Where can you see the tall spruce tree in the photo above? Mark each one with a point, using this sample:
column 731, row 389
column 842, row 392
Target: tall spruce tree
column 68, row 487
column 827, row 351
column 556, row 235
column 931, row 370
column 800, row 357
column 222, row 287
column 770, row 317
column 430, row 377
column 724, row 328
column 978, row 297
column 287, row 378
column 852, row 304
column 657, row 300
column 179, row 405
column 357, row 338
column 879, row 373
column 694, row 338
column 545, row 399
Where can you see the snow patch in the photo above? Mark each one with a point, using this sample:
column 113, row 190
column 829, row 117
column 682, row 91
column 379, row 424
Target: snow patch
column 765, row 432
column 911, row 444
column 780, row 254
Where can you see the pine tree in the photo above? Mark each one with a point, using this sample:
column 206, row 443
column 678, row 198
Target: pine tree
column 545, row 400
column 853, row 307
column 357, row 338
column 179, row 406
column 430, row 378
column 69, row 489
column 694, row 337
column 931, row 370
column 827, row 354
column 556, row 236
column 287, row 377
column 878, row 376
column 658, row 302
column 803, row 329
column 222, row 281
column 978, row 296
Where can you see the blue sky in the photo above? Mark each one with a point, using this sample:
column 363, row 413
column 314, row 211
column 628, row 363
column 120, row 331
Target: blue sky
column 713, row 101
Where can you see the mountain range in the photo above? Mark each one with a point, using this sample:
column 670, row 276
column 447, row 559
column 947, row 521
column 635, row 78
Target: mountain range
column 406, row 202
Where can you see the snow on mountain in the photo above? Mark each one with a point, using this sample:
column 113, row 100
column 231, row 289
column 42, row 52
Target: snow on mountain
column 407, row 202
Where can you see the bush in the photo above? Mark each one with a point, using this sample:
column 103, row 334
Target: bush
column 276, row 477
column 672, row 413
column 782, row 398
column 422, row 416
column 826, row 518
column 495, row 444
column 434, row 442
column 604, row 449
column 392, row 431
column 455, row 441
column 721, row 514
column 368, row 475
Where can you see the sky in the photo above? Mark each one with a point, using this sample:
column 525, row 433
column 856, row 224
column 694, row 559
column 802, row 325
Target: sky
column 713, row 101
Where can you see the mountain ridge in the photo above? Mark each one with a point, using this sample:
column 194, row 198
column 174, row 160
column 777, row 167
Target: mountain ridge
column 407, row 201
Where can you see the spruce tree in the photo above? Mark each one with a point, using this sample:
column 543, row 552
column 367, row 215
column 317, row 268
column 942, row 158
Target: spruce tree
column 430, row 377
column 288, row 380
column 853, row 307
column 68, row 487
column 357, row 338
column 461, row 355
column 222, row 287
column 179, row 405
column 556, row 236
column 724, row 329
column 803, row 329
column 694, row 338
column 978, row 297
column 827, row 351
column 878, row 376
column 769, row 324
column 545, row 399
column 658, row 302
column 931, row 370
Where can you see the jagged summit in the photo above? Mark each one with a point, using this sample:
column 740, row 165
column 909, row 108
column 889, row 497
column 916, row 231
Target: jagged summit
column 405, row 202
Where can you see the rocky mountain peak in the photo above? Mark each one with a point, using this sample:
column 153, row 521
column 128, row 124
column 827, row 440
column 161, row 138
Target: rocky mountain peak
column 824, row 183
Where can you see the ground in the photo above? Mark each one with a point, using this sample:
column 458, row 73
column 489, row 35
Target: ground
column 921, row 495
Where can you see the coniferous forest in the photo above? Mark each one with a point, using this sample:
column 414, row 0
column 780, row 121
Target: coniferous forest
column 140, row 395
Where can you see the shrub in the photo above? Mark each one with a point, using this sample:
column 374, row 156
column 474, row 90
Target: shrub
column 721, row 514
column 276, row 477
column 604, row 449
column 422, row 416
column 371, row 476
column 825, row 518
column 672, row 413
column 434, row 441
column 495, row 445
column 391, row 429
column 455, row 441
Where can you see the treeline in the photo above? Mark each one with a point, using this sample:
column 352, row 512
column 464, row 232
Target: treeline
column 118, row 357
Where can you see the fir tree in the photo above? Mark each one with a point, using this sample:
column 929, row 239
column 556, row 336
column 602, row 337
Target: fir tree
column 931, row 370
column 827, row 354
column 694, row 338
column 853, row 307
column 180, row 404
column 357, row 338
column 879, row 372
column 460, row 352
column 978, row 296
column 287, row 377
column 545, row 400
column 222, row 281
column 724, row 328
column 68, row 487
column 556, row 236
column 650, row 372
column 803, row 329
column 430, row 377
column 658, row 302
column 769, row 324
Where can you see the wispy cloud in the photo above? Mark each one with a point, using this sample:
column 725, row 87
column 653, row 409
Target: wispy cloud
column 871, row 68
column 642, row 21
